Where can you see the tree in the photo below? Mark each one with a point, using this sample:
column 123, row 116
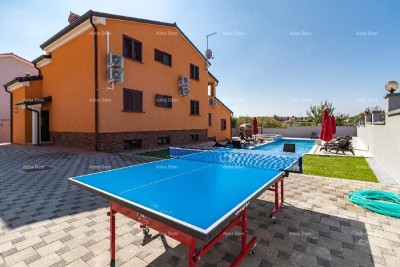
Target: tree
column 342, row 119
column 235, row 122
column 315, row 112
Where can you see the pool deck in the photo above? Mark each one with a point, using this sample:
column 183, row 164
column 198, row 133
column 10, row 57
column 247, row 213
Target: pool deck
column 44, row 221
column 360, row 150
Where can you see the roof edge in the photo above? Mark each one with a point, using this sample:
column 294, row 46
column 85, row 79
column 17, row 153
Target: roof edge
column 90, row 13
column 219, row 101
column 22, row 79
column 16, row 56
column 212, row 76
column 40, row 58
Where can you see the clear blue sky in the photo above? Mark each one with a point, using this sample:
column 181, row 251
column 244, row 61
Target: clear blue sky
column 271, row 57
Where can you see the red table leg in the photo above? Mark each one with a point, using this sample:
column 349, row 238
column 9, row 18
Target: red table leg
column 246, row 247
column 278, row 201
column 186, row 239
column 112, row 233
column 192, row 251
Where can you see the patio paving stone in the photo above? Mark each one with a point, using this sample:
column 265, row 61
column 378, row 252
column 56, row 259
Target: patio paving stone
column 44, row 221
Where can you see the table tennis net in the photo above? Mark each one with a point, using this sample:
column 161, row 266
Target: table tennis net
column 240, row 158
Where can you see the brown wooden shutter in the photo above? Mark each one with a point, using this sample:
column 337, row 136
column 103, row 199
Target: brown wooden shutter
column 128, row 100
column 138, row 51
column 128, row 49
column 158, row 55
column 137, row 100
column 191, row 71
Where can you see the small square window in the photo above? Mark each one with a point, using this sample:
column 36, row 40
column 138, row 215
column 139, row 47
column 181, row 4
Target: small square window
column 194, row 137
column 162, row 57
column 132, row 144
column 164, row 101
column 164, row 141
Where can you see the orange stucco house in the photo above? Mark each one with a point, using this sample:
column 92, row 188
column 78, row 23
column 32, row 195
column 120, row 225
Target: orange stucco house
column 111, row 83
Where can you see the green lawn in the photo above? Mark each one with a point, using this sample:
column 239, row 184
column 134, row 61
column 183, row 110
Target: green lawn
column 157, row 154
column 350, row 168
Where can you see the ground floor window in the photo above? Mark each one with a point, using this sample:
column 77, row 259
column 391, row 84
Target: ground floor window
column 194, row 137
column 164, row 141
column 132, row 144
column 194, row 107
column 223, row 124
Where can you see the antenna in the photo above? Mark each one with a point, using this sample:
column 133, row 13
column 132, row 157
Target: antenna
column 208, row 53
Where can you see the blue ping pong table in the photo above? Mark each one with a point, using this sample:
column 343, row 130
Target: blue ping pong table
column 200, row 196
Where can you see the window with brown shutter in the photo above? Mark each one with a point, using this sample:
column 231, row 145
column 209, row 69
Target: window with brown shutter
column 209, row 119
column 132, row 48
column 194, row 107
column 133, row 100
column 194, row 72
column 223, row 124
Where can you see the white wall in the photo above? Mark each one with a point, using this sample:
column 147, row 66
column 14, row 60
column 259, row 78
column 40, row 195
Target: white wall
column 383, row 142
column 302, row 131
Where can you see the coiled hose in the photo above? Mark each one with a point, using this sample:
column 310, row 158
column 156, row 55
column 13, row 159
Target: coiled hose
column 386, row 203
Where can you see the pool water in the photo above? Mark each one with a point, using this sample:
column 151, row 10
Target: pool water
column 303, row 146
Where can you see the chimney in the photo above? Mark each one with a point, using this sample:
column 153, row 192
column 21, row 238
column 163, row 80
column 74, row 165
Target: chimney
column 72, row 17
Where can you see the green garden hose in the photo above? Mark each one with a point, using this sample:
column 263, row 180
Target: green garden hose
column 386, row 203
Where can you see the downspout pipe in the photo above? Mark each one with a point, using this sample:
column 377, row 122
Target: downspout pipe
column 96, row 105
column 11, row 113
column 39, row 70
column 38, row 124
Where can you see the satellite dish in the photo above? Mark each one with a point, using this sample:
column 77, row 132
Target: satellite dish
column 392, row 86
column 208, row 54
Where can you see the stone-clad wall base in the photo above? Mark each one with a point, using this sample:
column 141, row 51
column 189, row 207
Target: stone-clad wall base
column 81, row 140
column 114, row 142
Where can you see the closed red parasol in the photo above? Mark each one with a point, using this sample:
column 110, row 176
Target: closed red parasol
column 255, row 126
column 326, row 131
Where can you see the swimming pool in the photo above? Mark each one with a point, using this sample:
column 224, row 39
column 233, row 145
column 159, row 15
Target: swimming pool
column 303, row 146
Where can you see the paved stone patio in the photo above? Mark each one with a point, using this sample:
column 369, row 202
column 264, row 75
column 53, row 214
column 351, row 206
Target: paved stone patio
column 44, row 221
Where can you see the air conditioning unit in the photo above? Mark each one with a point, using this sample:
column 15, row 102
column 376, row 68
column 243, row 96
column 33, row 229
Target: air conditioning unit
column 184, row 91
column 184, row 81
column 213, row 102
column 114, row 75
column 115, row 61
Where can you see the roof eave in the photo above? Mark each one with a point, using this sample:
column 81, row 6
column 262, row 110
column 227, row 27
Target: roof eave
column 40, row 58
column 87, row 15
column 212, row 76
column 219, row 101
column 22, row 79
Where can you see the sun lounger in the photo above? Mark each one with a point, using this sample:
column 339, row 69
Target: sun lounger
column 327, row 145
column 343, row 145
